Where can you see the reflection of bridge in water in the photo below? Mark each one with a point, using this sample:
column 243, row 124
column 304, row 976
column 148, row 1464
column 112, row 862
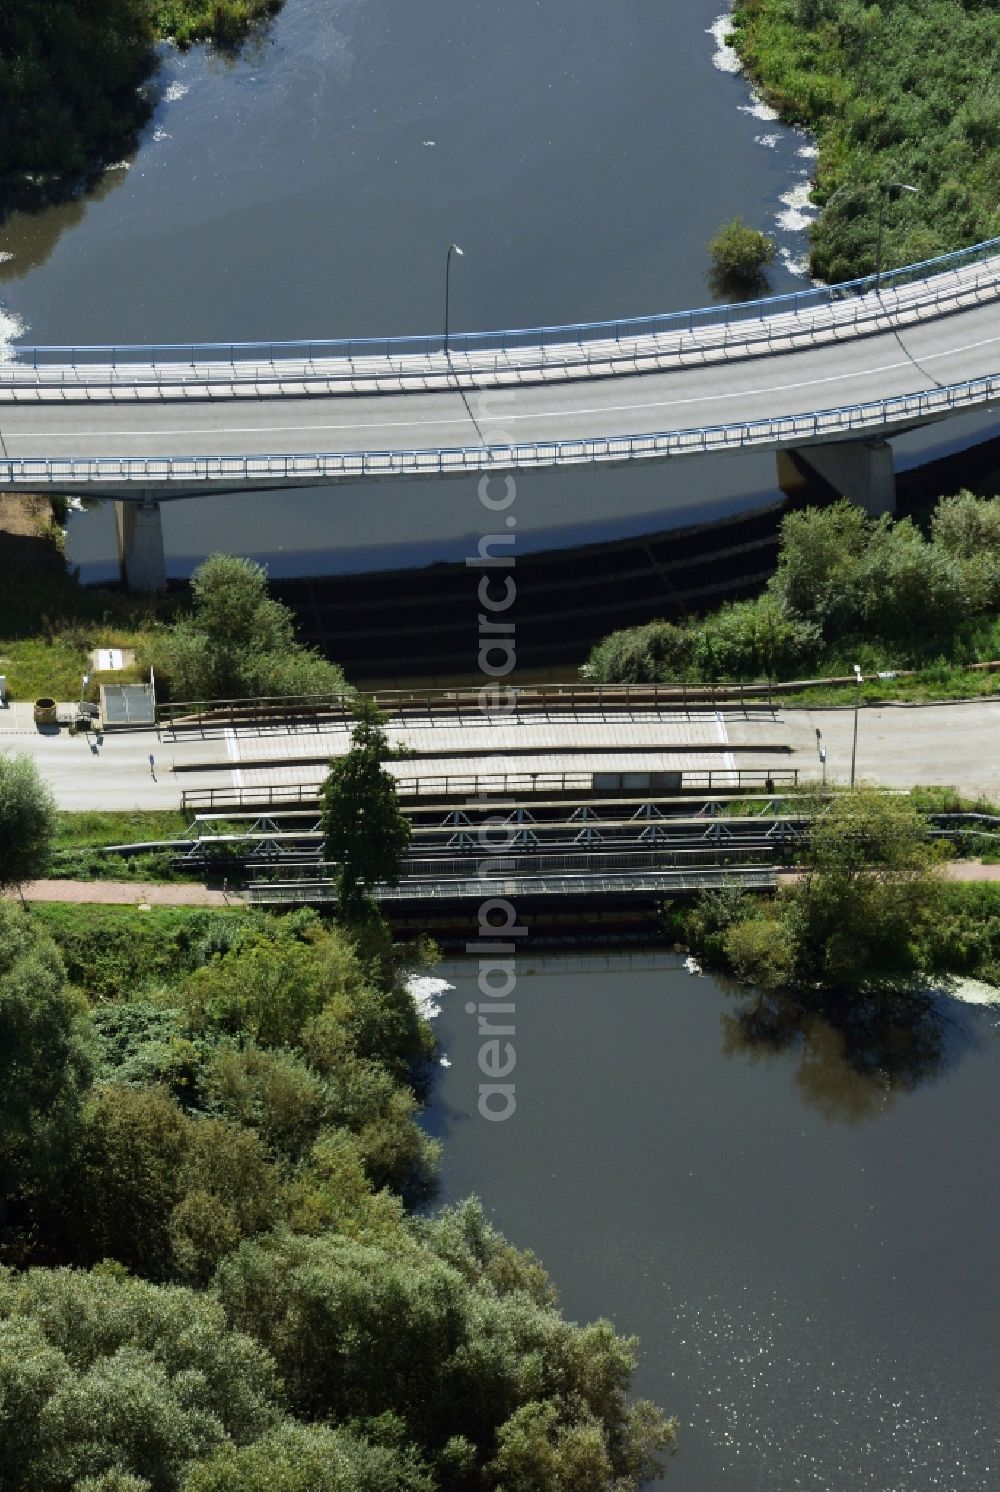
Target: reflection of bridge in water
column 831, row 372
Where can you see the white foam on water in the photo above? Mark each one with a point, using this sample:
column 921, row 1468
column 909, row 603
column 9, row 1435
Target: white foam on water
column 808, row 152
column 796, row 264
column 176, row 91
column 973, row 992
column 798, row 212
column 119, row 166
column 724, row 57
column 161, row 134
column 770, row 142
column 5, row 255
column 759, row 110
column 11, row 327
column 425, row 990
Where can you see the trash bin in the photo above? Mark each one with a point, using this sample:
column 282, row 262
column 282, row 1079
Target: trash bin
column 46, row 712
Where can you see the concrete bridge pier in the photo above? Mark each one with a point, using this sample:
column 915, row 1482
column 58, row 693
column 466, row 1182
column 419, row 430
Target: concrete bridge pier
column 140, row 545
column 859, row 469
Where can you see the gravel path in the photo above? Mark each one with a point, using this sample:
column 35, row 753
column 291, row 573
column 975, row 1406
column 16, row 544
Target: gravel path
column 127, row 894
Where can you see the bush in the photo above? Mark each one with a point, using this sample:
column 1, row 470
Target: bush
column 740, row 255
column 755, row 640
column 238, row 643
column 27, row 821
column 659, row 653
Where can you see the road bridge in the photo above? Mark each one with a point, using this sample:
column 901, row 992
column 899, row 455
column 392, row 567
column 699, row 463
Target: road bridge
column 830, row 371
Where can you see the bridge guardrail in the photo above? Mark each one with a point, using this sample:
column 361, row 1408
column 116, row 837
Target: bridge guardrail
column 502, row 784
column 835, row 423
column 784, row 331
column 193, row 354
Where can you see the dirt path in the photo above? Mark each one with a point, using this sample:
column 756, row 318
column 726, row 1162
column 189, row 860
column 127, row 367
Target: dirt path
column 128, row 894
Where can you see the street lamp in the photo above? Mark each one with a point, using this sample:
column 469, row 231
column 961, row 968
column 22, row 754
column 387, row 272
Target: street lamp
column 857, row 701
column 452, row 249
column 884, row 187
column 83, row 690
column 822, row 752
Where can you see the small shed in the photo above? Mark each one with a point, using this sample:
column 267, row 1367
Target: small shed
column 127, row 706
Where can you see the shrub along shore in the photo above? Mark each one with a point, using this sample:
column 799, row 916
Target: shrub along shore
column 71, row 76
column 902, row 92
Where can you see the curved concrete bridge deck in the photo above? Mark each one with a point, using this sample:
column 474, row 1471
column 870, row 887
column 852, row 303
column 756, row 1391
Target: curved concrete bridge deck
column 831, row 366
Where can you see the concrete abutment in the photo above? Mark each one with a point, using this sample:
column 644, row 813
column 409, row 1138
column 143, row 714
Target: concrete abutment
column 140, row 545
column 861, row 470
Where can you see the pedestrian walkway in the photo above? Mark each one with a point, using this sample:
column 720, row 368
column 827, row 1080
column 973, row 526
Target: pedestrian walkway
column 127, row 894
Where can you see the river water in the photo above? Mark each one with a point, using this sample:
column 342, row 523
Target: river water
column 581, row 152
column 803, row 1232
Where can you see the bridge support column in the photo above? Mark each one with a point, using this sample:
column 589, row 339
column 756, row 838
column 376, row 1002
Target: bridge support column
column 859, row 469
column 140, row 545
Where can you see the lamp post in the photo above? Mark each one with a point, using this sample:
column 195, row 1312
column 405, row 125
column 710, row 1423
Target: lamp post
column 857, row 702
column 884, row 188
column 821, row 749
column 452, row 249
column 83, row 690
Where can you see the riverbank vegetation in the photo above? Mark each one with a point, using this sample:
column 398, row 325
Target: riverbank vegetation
column 866, row 913
column 71, row 73
column 902, row 92
column 847, row 588
column 740, row 255
column 236, row 641
column 214, row 1279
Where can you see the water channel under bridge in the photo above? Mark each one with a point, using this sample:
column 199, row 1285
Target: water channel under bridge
column 829, row 372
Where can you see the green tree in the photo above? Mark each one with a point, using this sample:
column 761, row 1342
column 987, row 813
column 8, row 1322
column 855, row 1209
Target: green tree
column 164, row 1193
column 27, row 821
column 110, row 1378
column 740, row 255
column 864, row 909
column 45, row 1069
column 238, row 642
column 364, row 829
column 309, row 1458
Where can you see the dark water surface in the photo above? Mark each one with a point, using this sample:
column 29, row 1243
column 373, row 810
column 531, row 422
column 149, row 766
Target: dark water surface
column 581, row 152
column 808, row 1254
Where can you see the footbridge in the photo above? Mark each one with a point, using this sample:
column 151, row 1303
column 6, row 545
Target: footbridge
column 829, row 372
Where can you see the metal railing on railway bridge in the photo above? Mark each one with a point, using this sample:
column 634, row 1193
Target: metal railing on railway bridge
column 451, row 786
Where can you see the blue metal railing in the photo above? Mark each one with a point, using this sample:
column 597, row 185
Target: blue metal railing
column 284, row 470
column 195, row 353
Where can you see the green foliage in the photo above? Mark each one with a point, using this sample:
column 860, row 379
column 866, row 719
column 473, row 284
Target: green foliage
column 453, row 1348
column 740, row 255
column 869, row 892
column 309, row 1458
column 45, row 1065
column 364, row 829
column 114, row 953
column 236, row 1140
column 895, row 93
column 238, row 643
column 845, row 584
column 762, row 951
column 27, row 821
column 70, row 71
column 863, row 914
column 114, row 1379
